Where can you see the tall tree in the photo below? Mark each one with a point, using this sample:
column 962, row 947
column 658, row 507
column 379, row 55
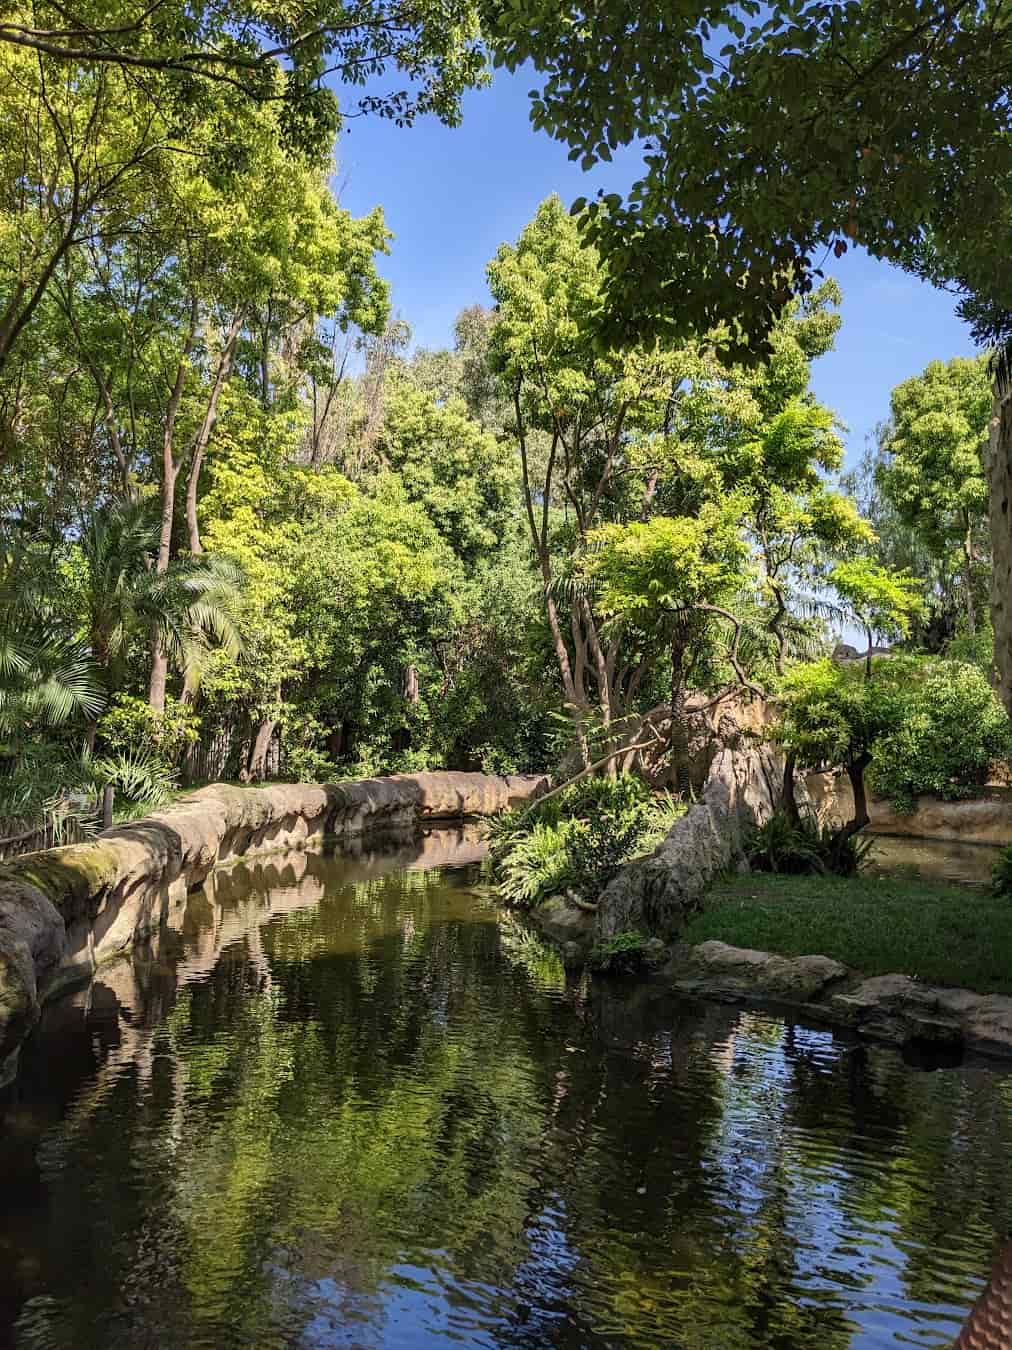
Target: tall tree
column 933, row 470
column 776, row 135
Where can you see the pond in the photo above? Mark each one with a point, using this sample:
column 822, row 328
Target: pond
column 933, row 859
column 350, row 1103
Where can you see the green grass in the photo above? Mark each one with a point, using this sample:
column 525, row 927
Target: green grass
column 943, row 934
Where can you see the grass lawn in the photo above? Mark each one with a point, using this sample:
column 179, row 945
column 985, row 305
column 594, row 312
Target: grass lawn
column 942, row 933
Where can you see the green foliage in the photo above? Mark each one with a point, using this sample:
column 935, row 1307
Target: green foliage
column 733, row 211
column 577, row 839
column 463, row 477
column 624, row 954
column 974, row 649
column 131, row 724
column 47, row 674
column 933, row 468
column 137, row 776
column 925, row 725
column 833, row 714
column 882, row 601
column 803, row 846
column 953, row 733
column 535, row 866
column 668, row 564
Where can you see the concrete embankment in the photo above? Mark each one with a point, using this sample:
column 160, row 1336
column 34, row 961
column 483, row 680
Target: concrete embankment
column 66, row 910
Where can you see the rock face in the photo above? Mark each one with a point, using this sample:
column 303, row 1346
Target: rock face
column 986, row 819
column 718, row 971
column 656, row 894
column 891, row 1008
column 66, row 910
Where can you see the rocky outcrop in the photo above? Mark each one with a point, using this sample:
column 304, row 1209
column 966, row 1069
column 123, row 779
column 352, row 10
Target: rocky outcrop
column 892, row 1008
column 646, row 740
column 716, row 970
column 64, row 911
column 656, row 894
column 982, row 819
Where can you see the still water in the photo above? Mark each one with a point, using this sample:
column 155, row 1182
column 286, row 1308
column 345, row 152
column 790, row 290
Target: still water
column 351, row 1103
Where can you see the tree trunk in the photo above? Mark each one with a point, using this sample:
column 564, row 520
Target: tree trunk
column 409, row 684
column 203, row 436
column 679, row 730
column 971, row 608
column 170, row 472
column 855, row 772
column 256, row 768
column 999, row 477
column 788, row 801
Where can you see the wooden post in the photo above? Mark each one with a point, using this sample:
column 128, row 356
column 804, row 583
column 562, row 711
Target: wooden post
column 108, row 792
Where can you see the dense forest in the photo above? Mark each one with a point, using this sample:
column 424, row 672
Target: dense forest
column 249, row 529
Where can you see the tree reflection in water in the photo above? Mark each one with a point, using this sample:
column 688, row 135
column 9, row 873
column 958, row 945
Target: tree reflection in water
column 344, row 1106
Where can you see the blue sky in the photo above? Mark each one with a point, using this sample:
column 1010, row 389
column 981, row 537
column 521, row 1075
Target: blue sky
column 452, row 196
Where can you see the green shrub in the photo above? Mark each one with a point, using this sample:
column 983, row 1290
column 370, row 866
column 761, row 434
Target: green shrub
column 804, row 846
column 131, row 726
column 536, row 866
column 1001, row 874
column 306, row 764
column 139, row 779
column 974, row 649
column 624, row 954
column 954, row 732
column 577, row 839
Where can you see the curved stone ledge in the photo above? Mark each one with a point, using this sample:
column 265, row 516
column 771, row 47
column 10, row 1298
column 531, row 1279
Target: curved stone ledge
column 985, row 818
column 65, row 910
column 892, row 1008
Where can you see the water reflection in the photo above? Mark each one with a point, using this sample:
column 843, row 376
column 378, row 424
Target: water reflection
column 933, row 859
column 339, row 1106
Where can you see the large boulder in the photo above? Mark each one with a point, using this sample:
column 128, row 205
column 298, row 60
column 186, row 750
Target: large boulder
column 32, row 940
column 717, row 970
column 656, row 894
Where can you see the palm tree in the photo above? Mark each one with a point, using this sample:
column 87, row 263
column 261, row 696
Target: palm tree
column 189, row 606
column 47, row 681
column 47, row 676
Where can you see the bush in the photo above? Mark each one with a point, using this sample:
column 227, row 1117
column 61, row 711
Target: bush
column 625, row 954
column 1001, row 875
column 130, row 726
column 953, row 735
column 306, row 764
column 536, row 865
column 139, row 780
column 804, row 846
column 578, row 839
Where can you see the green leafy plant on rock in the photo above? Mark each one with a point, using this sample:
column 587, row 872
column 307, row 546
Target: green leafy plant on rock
column 625, row 954
column 577, row 839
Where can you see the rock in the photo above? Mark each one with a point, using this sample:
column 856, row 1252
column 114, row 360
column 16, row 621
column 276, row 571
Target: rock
column 718, row 970
column 897, row 1008
column 656, row 894
column 563, row 922
column 32, row 939
column 893, row 1008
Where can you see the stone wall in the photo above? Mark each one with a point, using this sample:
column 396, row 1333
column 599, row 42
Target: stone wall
column 982, row 819
column 66, row 910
